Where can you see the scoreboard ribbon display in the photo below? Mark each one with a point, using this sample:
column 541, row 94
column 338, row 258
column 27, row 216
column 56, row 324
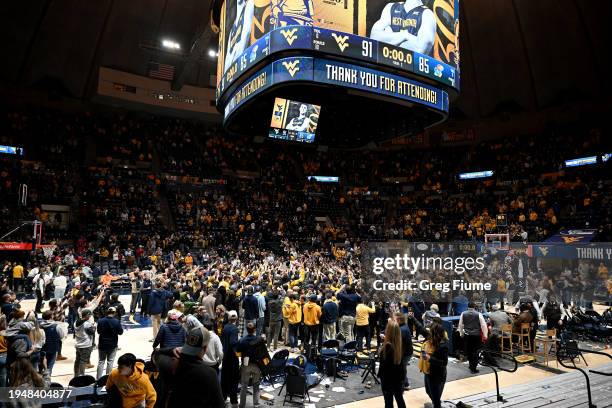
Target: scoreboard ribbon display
column 332, row 72
column 341, row 44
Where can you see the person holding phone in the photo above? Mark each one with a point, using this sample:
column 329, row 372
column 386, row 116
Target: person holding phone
column 433, row 362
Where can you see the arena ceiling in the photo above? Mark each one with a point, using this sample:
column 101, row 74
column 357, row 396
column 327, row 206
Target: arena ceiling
column 515, row 54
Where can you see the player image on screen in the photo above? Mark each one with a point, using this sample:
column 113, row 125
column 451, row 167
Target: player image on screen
column 292, row 12
column 240, row 31
column 408, row 24
column 302, row 122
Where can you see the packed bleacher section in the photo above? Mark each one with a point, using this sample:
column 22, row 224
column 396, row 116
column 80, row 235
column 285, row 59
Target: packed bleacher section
column 220, row 188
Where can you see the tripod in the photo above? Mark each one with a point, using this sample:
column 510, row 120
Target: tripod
column 370, row 368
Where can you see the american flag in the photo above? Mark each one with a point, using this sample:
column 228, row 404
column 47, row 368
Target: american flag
column 161, row 71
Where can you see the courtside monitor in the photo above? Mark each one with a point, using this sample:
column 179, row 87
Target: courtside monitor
column 380, row 68
column 294, row 121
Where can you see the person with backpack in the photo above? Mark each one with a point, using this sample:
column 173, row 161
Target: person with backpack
column 109, row 329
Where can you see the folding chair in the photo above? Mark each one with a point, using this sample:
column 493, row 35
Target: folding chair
column 330, row 351
column 296, row 384
column 277, row 366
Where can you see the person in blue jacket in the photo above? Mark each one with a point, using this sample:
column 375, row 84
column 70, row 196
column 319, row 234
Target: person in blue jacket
column 250, row 304
column 329, row 317
column 109, row 329
column 157, row 301
column 171, row 334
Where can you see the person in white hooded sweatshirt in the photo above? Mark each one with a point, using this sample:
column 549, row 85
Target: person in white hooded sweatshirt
column 214, row 353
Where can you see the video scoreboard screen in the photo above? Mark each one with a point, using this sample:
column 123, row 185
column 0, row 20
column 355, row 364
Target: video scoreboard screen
column 413, row 36
column 294, row 121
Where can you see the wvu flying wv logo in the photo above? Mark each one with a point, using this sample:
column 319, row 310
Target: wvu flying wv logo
column 543, row 250
column 290, row 35
column 341, row 40
column 292, row 67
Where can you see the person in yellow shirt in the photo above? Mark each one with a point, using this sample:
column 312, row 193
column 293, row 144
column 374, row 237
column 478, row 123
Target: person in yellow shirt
column 130, row 381
column 294, row 317
column 188, row 259
column 17, row 277
column 312, row 315
column 362, row 324
column 285, row 311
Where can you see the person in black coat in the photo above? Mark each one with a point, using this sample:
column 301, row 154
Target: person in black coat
column 109, row 329
column 406, row 331
column 179, row 377
column 250, row 305
column 230, row 373
column 435, row 352
column 391, row 370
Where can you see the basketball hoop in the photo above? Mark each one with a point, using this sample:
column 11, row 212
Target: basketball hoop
column 48, row 250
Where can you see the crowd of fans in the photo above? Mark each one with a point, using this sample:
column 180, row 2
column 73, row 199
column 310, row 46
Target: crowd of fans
column 221, row 241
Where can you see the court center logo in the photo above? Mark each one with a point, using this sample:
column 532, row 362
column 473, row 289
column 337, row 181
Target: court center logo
column 292, row 67
column 289, row 35
column 341, row 40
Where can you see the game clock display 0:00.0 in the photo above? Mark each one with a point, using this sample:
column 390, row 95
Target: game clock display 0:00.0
column 394, row 56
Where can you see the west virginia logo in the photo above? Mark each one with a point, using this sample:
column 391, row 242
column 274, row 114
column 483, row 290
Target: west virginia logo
column 543, row 250
column 289, row 35
column 341, row 41
column 292, row 67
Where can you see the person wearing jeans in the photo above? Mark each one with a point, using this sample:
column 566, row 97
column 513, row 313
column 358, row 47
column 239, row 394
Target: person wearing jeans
column 261, row 311
column 54, row 333
column 84, row 329
column 347, row 311
column 109, row 329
